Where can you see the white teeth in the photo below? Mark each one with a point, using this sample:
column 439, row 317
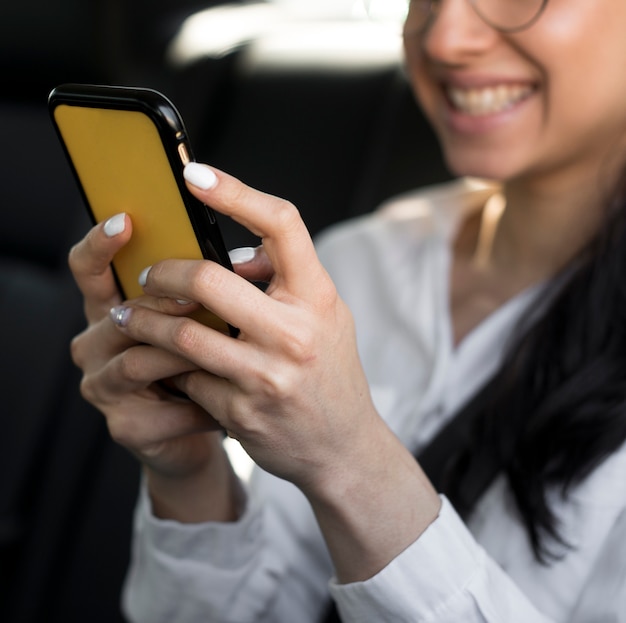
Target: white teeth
column 487, row 100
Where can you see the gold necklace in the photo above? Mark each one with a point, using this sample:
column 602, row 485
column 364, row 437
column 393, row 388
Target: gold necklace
column 493, row 210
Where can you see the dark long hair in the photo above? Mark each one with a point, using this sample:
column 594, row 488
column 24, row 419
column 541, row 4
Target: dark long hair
column 559, row 404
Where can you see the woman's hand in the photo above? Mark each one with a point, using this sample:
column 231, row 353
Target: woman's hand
column 291, row 387
column 170, row 436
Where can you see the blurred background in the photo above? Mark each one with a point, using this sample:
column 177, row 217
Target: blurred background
column 305, row 99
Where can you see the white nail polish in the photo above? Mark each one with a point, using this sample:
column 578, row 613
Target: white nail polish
column 115, row 225
column 241, row 255
column 143, row 276
column 200, row 175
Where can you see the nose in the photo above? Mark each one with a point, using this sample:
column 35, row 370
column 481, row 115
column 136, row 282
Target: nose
column 456, row 33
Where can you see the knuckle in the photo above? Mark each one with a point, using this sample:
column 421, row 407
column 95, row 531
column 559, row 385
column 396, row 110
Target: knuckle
column 129, row 365
column 120, row 427
column 190, row 383
column 300, row 346
column 120, row 431
column 282, row 378
column 185, row 336
column 242, row 417
column 205, row 277
column 73, row 258
column 77, row 351
column 88, row 390
column 287, row 215
column 279, row 384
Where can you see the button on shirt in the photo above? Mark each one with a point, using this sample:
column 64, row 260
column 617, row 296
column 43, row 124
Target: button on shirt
column 271, row 566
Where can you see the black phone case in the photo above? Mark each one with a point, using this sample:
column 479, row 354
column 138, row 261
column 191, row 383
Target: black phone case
column 172, row 132
column 173, row 135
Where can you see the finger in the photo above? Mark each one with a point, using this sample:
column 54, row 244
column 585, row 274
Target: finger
column 251, row 263
column 178, row 307
column 90, row 263
column 165, row 305
column 286, row 239
column 99, row 342
column 144, row 431
column 225, row 294
column 204, row 347
column 135, row 369
column 211, row 393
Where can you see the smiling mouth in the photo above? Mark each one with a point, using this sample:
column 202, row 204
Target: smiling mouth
column 487, row 100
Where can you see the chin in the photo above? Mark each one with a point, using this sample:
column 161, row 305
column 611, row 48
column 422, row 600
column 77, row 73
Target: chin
column 480, row 165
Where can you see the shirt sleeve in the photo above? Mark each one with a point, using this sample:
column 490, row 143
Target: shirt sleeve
column 270, row 566
column 444, row 576
column 218, row 572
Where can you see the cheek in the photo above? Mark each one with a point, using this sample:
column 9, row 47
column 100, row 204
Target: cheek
column 581, row 50
column 423, row 87
column 585, row 91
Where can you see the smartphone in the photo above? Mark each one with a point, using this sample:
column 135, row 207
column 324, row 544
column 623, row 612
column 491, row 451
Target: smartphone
column 127, row 148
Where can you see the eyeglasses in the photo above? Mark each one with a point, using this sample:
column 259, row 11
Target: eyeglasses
column 504, row 15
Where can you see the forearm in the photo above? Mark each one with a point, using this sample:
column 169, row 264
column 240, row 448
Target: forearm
column 443, row 576
column 372, row 512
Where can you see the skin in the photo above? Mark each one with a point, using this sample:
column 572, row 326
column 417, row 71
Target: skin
column 291, row 388
column 279, row 388
column 557, row 153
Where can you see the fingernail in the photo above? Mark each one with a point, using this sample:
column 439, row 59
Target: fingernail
column 183, row 302
column 143, row 276
column 241, row 255
column 120, row 315
column 200, row 175
column 115, row 225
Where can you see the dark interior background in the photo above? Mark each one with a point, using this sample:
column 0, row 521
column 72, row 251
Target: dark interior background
column 336, row 140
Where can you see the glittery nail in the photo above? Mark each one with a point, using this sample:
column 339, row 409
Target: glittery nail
column 120, row 315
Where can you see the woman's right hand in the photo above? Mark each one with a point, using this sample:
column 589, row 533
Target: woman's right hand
column 174, row 438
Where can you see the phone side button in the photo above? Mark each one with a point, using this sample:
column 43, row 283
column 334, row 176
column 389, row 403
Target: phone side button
column 183, row 153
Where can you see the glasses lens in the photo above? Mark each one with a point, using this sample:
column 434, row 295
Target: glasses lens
column 509, row 15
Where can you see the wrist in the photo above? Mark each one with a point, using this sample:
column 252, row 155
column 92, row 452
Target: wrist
column 374, row 506
column 212, row 492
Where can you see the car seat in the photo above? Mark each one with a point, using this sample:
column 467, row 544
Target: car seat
column 335, row 138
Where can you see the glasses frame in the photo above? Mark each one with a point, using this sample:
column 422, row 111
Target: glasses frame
column 433, row 10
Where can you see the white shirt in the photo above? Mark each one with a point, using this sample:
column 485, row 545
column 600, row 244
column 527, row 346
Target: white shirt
column 271, row 566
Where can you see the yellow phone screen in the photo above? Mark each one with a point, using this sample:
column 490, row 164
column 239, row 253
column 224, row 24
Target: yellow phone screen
column 122, row 166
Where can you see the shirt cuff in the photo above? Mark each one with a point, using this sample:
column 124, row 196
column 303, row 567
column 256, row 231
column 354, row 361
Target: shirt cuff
column 427, row 581
column 209, row 571
column 225, row 544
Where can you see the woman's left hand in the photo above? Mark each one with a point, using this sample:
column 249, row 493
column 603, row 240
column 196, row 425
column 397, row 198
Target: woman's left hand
column 291, row 387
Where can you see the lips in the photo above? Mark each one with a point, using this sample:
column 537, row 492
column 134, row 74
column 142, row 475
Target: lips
column 488, row 100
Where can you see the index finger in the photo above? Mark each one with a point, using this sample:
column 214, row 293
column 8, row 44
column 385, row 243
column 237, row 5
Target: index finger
column 276, row 221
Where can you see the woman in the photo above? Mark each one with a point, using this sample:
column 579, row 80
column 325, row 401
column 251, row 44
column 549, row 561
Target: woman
column 442, row 290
